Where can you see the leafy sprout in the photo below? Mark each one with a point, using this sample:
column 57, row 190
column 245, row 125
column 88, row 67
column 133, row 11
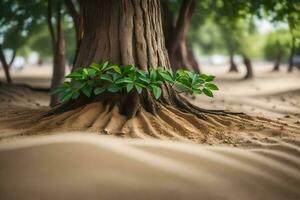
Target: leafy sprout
column 97, row 79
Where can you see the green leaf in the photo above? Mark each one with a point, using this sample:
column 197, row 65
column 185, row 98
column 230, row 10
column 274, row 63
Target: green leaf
column 58, row 90
column 156, row 92
column 105, row 66
column 123, row 80
column 75, row 74
column 106, row 77
column 91, row 72
column 211, row 86
column 129, row 87
column 95, row 66
column 138, row 88
column 144, row 79
column 207, row 92
column 166, row 76
column 65, row 97
column 99, row 90
column 153, row 75
column 207, row 78
column 117, row 69
column 113, row 88
column 85, row 71
column 75, row 95
column 87, row 90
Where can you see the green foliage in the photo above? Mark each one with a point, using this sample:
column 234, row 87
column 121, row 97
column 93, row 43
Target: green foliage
column 278, row 43
column 97, row 79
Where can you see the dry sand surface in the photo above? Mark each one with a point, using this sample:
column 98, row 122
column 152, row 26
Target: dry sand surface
column 253, row 159
column 103, row 167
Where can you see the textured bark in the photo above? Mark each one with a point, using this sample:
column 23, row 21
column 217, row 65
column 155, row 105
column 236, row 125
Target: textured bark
column 277, row 62
column 127, row 32
column 248, row 65
column 179, row 49
column 233, row 66
column 291, row 61
column 58, row 51
column 5, row 65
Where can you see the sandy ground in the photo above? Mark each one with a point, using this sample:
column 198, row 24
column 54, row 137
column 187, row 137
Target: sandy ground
column 265, row 165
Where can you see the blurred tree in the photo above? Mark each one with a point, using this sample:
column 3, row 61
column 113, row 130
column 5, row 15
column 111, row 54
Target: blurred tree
column 58, row 45
column 74, row 10
column 179, row 49
column 17, row 25
column 285, row 11
column 234, row 20
column 277, row 47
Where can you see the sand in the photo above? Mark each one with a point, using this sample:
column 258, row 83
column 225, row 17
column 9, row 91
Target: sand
column 98, row 167
column 256, row 157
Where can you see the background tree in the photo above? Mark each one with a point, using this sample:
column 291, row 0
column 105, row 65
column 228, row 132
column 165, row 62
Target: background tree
column 176, row 21
column 277, row 47
column 285, row 11
column 58, row 45
column 17, row 26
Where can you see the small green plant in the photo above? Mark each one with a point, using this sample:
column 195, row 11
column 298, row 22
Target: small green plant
column 105, row 77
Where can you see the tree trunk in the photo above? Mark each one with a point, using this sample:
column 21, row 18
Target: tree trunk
column 179, row 49
column 78, row 24
column 130, row 32
column 277, row 62
column 291, row 61
column 248, row 65
column 233, row 66
column 5, row 66
column 59, row 55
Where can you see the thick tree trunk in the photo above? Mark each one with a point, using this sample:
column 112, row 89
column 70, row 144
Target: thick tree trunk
column 59, row 55
column 130, row 32
column 5, row 65
column 277, row 62
column 249, row 69
column 291, row 61
column 233, row 66
column 124, row 32
column 179, row 49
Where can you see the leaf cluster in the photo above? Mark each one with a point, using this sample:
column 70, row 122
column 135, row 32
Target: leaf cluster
column 97, row 79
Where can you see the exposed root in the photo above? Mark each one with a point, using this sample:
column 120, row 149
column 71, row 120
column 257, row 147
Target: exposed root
column 167, row 123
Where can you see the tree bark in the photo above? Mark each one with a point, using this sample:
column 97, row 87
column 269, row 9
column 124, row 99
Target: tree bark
column 233, row 66
column 59, row 53
column 248, row 65
column 179, row 49
column 277, row 62
column 291, row 61
column 5, row 66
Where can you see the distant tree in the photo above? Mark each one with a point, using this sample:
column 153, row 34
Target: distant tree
column 17, row 26
column 55, row 11
column 177, row 16
column 234, row 19
column 277, row 47
column 285, row 11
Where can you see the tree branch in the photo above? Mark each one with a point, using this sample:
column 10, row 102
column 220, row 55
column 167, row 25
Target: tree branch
column 5, row 65
column 50, row 25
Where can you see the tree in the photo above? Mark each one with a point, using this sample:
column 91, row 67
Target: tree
column 285, row 11
column 129, row 32
column 58, row 45
column 16, row 27
column 179, row 49
column 277, row 47
column 78, row 24
column 234, row 17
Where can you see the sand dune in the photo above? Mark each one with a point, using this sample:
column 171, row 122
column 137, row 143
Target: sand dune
column 76, row 166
